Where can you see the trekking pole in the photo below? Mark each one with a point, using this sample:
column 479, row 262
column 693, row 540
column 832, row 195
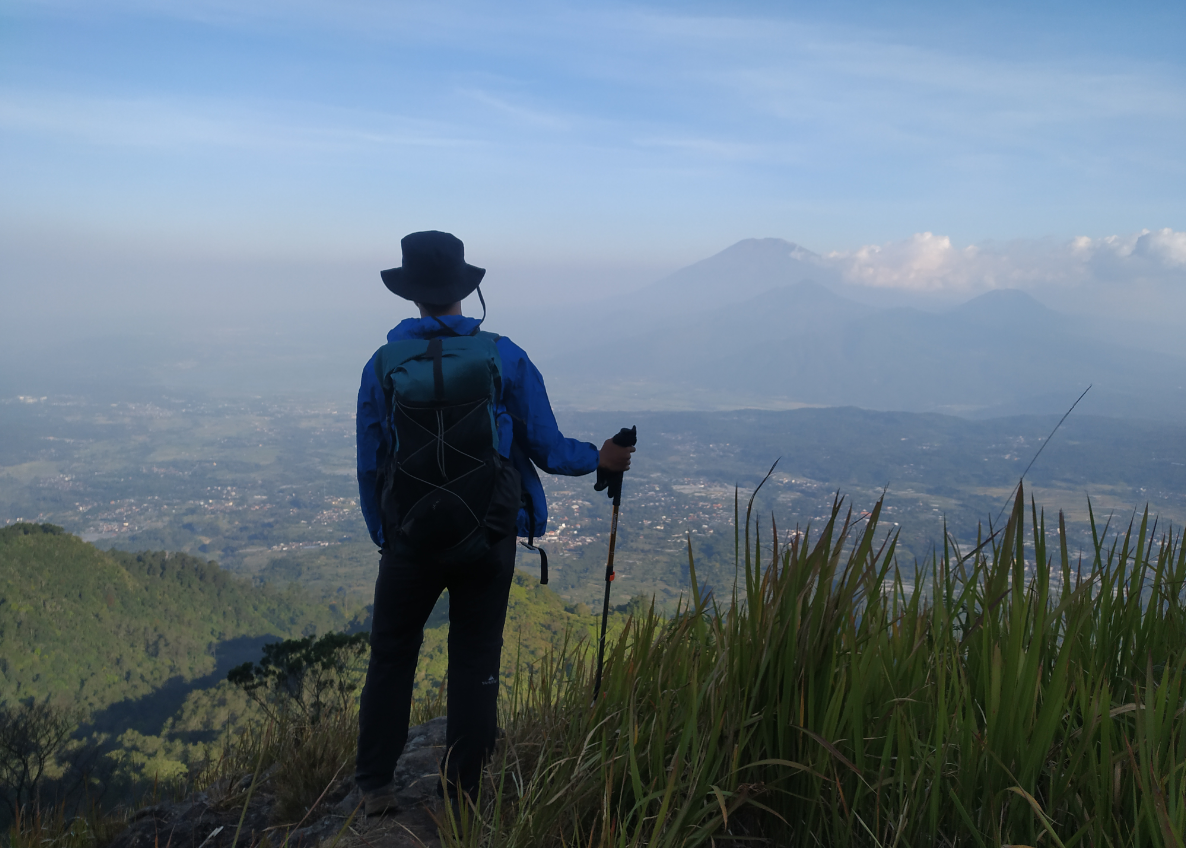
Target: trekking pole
column 612, row 481
column 1039, row 453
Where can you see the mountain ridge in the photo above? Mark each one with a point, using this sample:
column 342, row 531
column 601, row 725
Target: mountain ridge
column 731, row 322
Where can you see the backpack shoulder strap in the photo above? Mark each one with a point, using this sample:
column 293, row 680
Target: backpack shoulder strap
column 493, row 339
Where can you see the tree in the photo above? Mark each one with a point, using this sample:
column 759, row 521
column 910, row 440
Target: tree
column 309, row 676
column 33, row 737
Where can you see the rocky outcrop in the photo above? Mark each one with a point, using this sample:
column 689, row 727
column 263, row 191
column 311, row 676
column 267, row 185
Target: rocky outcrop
column 211, row 819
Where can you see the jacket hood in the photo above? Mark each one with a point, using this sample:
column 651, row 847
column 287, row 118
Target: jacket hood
column 426, row 328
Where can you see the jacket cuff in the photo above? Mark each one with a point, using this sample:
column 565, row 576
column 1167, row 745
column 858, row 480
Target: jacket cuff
column 594, row 459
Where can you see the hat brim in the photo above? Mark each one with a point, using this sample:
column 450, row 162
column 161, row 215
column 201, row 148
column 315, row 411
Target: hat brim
column 436, row 291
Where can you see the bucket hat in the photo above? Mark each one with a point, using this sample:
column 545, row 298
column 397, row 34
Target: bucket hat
column 434, row 269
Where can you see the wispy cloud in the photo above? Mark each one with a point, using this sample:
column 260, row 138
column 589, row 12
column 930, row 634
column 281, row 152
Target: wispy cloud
column 654, row 125
column 763, row 67
column 196, row 123
column 519, row 113
column 714, row 148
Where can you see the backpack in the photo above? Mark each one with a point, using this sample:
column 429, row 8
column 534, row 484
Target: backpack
column 445, row 492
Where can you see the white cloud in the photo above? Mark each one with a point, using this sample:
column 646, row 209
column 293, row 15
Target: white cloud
column 923, row 262
column 1165, row 245
column 1144, row 263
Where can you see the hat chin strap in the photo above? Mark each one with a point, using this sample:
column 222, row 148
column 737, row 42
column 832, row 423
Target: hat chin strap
column 474, row 332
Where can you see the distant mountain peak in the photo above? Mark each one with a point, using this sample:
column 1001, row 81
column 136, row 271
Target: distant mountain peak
column 767, row 247
column 741, row 271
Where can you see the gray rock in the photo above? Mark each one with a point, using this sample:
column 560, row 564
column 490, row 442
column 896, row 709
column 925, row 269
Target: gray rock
column 189, row 825
column 431, row 733
column 417, row 774
column 350, row 803
column 316, row 832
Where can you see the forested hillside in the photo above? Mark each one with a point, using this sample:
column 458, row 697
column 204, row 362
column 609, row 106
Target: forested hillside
column 95, row 628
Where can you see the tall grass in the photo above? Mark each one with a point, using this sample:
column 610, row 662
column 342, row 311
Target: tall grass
column 1009, row 700
column 46, row 826
column 298, row 757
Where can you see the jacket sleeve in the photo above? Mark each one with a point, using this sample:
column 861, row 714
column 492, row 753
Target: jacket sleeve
column 535, row 423
column 372, row 448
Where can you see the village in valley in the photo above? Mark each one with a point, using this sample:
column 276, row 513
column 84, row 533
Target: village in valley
column 267, row 488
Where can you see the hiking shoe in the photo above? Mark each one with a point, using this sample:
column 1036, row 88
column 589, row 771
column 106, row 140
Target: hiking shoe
column 379, row 802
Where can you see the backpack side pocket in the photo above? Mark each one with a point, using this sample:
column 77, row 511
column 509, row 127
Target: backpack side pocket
column 502, row 516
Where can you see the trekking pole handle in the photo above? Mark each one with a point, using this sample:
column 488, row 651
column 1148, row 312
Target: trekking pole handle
column 627, row 437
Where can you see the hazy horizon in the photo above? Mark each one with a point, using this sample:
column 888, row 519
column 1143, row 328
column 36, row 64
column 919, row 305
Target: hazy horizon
column 231, row 177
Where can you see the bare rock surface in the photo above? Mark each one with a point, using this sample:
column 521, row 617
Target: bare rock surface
column 211, row 819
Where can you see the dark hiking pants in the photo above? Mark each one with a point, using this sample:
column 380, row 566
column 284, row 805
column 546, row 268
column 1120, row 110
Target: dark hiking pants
column 405, row 594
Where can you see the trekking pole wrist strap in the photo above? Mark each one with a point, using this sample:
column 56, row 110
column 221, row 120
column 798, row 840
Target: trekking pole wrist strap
column 607, row 479
column 530, row 543
column 543, row 559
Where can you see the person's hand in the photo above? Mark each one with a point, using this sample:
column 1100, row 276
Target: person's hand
column 614, row 458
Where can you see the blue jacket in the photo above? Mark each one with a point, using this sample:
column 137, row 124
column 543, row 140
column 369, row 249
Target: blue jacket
column 527, row 430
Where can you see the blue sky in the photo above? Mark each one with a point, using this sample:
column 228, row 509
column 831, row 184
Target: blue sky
column 571, row 145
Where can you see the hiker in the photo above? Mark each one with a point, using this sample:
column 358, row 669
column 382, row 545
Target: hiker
column 451, row 425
